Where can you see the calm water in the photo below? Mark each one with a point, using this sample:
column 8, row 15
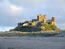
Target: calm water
column 32, row 43
column 26, row 42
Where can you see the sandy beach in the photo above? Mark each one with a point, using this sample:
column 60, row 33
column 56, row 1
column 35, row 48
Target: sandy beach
column 32, row 42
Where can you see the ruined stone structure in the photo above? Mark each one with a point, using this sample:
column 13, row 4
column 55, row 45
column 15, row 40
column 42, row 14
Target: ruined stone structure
column 54, row 20
column 40, row 19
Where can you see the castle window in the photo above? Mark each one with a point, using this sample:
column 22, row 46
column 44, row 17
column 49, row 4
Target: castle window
column 49, row 22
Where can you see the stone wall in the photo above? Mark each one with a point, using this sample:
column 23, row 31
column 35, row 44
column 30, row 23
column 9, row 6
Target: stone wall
column 54, row 20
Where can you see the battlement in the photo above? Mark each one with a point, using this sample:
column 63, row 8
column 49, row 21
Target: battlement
column 54, row 20
column 40, row 19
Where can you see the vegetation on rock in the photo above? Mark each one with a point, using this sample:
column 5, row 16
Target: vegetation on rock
column 41, row 27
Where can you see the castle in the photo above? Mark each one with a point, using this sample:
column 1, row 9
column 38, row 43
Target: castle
column 40, row 19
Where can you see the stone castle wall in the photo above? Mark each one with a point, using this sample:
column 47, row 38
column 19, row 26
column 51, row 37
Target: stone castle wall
column 42, row 19
column 54, row 20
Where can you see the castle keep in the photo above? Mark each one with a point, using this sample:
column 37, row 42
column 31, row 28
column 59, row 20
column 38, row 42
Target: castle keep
column 40, row 19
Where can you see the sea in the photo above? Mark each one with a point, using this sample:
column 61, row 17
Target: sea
column 33, row 42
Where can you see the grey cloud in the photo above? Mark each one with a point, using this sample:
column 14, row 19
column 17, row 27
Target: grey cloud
column 9, row 17
column 52, row 8
column 28, row 3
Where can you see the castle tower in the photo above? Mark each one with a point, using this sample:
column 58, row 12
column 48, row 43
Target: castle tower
column 45, row 19
column 54, row 20
column 40, row 18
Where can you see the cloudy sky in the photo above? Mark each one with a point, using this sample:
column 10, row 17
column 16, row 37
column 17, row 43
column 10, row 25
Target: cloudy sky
column 14, row 11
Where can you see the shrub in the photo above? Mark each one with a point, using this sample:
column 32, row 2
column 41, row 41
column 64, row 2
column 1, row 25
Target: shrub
column 50, row 27
column 27, row 29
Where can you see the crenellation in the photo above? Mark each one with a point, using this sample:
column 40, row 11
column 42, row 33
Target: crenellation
column 54, row 20
column 40, row 19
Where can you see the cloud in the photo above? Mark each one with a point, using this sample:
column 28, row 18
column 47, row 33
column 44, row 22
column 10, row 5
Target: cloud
column 11, row 9
column 10, row 14
column 28, row 3
column 61, row 26
column 2, row 29
column 14, row 11
column 53, row 8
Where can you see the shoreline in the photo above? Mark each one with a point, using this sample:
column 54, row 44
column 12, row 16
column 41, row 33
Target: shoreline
column 31, row 34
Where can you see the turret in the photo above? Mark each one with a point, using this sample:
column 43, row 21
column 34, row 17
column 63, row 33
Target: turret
column 45, row 19
column 40, row 18
column 54, row 20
